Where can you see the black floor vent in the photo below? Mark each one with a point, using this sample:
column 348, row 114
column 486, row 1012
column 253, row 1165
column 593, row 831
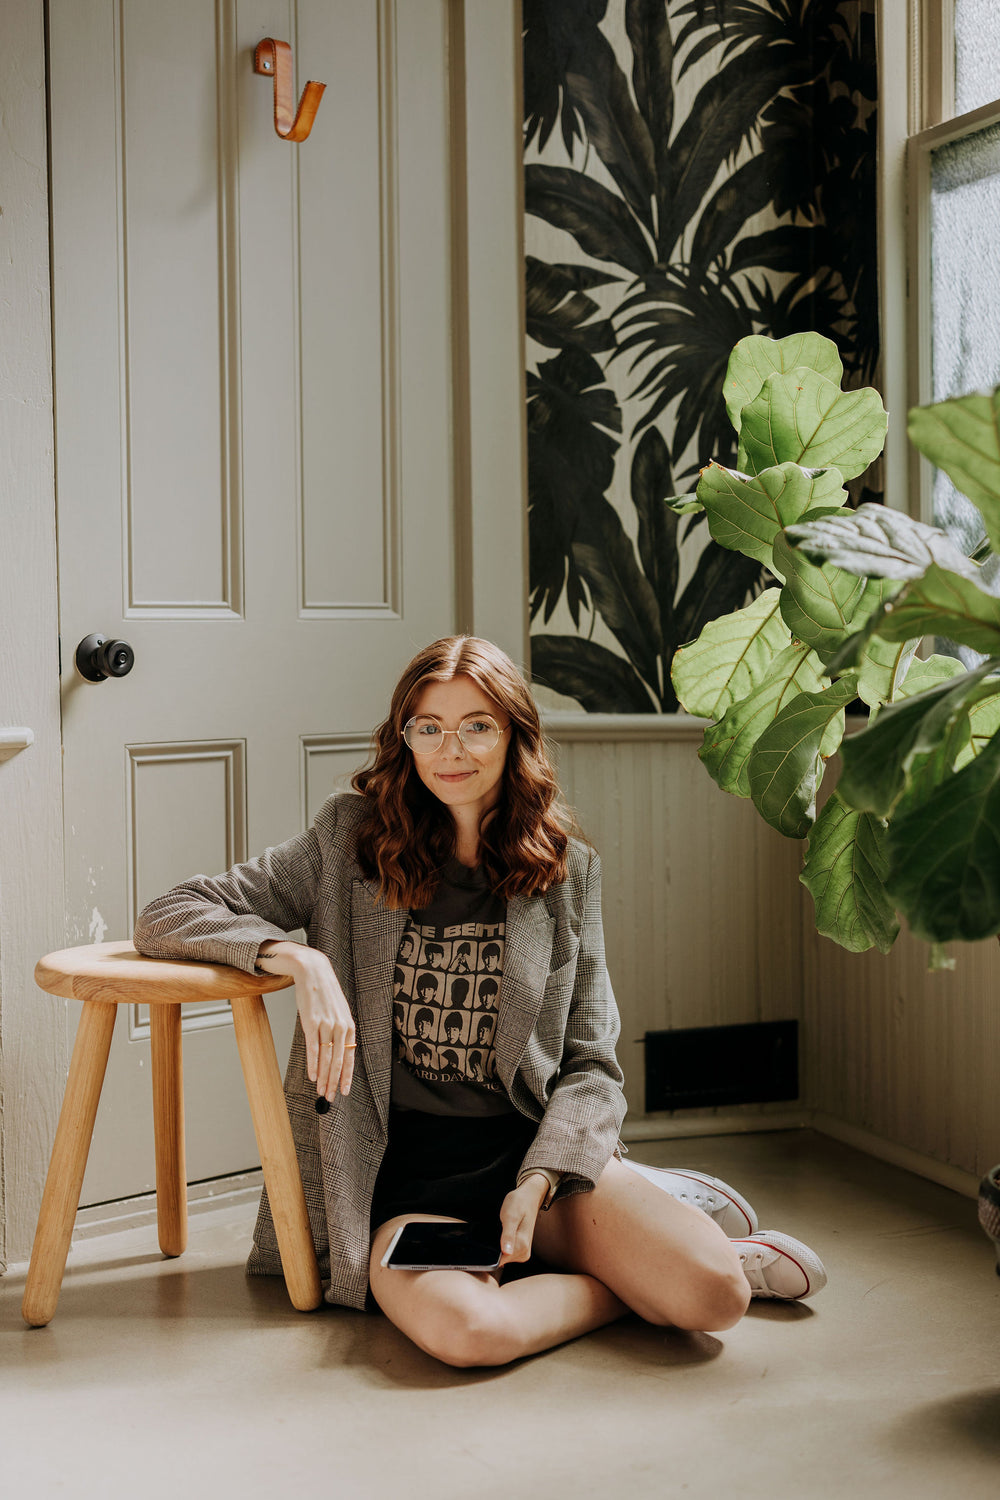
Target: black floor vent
column 713, row 1065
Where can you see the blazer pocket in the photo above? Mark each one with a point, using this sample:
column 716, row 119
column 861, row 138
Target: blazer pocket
column 564, row 974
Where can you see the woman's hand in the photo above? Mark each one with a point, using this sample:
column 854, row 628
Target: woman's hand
column 323, row 1010
column 518, row 1213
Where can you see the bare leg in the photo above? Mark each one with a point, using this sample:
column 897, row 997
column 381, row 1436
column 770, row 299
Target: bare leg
column 665, row 1260
column 465, row 1318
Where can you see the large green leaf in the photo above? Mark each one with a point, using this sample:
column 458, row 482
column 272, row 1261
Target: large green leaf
column 805, row 419
column 727, row 745
column 921, row 675
column 877, row 763
column 883, row 666
column 786, row 763
column 875, row 541
column 942, row 603
column 984, row 723
column 822, row 605
column 600, row 681
column 944, row 855
column 962, row 437
column 746, row 511
column 844, row 871
column 730, row 657
column 756, row 357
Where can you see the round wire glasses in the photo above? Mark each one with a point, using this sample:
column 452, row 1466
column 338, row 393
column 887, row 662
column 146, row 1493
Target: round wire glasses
column 479, row 733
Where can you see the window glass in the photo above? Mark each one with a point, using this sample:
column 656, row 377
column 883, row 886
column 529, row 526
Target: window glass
column 965, row 293
column 977, row 53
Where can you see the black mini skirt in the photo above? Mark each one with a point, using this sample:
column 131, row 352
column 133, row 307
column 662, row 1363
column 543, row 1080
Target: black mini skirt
column 459, row 1166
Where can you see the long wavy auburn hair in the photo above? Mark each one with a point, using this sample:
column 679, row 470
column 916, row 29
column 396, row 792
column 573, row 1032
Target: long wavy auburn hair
column 408, row 834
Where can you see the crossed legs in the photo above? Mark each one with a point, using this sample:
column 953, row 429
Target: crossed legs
column 627, row 1246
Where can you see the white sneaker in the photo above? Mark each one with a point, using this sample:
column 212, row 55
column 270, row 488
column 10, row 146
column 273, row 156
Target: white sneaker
column 778, row 1266
column 722, row 1203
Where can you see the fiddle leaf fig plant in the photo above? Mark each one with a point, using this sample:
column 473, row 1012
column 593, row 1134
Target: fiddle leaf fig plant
column 913, row 826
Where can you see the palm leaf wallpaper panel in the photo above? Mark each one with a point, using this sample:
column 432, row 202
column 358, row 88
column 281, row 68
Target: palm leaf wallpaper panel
column 695, row 171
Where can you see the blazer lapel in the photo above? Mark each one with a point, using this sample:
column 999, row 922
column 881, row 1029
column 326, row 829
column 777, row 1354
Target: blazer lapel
column 375, row 935
column 527, row 952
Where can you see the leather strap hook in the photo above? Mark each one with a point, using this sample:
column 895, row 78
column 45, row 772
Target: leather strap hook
column 273, row 59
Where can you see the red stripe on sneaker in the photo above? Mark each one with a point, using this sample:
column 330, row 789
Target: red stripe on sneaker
column 788, row 1256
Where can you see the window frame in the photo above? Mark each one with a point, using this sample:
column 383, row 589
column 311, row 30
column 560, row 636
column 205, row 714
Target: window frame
column 916, row 116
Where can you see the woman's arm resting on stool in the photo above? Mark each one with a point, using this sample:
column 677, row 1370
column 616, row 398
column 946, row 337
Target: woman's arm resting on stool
column 323, row 1010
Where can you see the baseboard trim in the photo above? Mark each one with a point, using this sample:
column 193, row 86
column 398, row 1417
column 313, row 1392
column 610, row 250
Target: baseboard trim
column 800, row 1118
column 672, row 1128
column 956, row 1178
column 135, row 1213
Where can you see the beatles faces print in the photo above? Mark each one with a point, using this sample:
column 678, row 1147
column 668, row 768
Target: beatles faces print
column 446, row 988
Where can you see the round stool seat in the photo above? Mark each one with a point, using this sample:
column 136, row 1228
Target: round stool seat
column 104, row 976
column 117, row 973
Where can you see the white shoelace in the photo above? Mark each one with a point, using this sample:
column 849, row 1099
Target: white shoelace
column 753, row 1269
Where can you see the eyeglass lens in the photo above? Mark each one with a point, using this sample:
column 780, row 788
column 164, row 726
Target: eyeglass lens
column 424, row 735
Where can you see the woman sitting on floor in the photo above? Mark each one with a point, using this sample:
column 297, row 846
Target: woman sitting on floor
column 453, row 857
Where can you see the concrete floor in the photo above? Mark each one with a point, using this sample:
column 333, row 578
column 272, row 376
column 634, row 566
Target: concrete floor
column 184, row 1379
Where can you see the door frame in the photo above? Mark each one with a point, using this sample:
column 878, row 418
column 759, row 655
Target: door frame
column 490, row 457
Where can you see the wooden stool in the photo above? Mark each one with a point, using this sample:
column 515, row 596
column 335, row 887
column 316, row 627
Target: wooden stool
column 104, row 976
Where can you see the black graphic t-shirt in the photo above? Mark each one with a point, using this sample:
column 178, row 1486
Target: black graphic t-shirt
column 446, row 990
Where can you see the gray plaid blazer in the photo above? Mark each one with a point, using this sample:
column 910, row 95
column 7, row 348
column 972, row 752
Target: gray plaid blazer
column 555, row 1037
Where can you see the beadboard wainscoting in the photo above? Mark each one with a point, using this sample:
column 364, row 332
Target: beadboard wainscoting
column 902, row 1062
column 702, row 916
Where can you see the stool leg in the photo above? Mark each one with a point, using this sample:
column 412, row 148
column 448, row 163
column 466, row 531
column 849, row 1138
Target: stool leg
column 277, row 1152
column 168, row 1127
column 64, row 1180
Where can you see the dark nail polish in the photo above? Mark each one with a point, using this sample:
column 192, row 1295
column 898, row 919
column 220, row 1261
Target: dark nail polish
column 322, row 1105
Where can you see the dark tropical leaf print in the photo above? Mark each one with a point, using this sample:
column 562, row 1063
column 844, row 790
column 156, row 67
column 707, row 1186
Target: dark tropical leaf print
column 598, row 220
column 560, row 316
column 747, row 192
column 622, row 594
column 552, row 33
column 600, row 93
column 657, row 541
column 648, row 28
column 684, row 331
column 572, row 415
column 724, row 113
column 600, row 681
column 787, row 248
column 753, row 213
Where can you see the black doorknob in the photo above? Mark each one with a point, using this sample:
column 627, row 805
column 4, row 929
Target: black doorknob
column 97, row 658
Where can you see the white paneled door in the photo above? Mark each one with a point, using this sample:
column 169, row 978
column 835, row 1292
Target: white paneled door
column 253, row 395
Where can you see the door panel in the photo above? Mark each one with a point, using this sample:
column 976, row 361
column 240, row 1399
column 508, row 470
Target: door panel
column 253, row 382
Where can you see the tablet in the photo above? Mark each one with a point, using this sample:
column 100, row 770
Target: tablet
column 441, row 1246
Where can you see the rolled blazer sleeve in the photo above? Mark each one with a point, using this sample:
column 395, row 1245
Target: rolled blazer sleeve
column 578, row 1133
column 225, row 918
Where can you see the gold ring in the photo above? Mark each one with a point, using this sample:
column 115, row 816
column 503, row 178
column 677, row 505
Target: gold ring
column 350, row 1046
column 326, row 1044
